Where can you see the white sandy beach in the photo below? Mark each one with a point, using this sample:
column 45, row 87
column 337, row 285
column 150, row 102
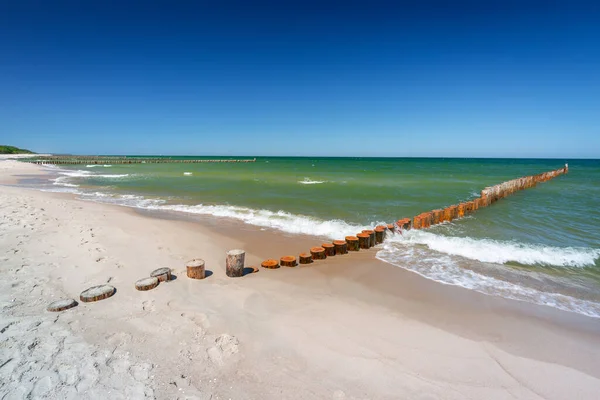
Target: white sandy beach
column 339, row 329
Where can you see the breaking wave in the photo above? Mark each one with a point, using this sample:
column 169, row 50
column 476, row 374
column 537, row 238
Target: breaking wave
column 308, row 181
column 442, row 259
column 502, row 252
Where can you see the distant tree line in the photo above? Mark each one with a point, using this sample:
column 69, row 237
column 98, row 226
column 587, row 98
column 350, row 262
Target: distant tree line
column 14, row 150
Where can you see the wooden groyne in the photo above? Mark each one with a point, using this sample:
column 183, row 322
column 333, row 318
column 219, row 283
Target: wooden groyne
column 105, row 160
column 369, row 238
column 489, row 196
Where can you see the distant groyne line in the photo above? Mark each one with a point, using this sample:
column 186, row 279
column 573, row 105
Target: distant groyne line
column 103, row 160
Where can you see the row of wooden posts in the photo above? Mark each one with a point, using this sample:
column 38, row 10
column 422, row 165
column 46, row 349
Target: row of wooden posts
column 489, row 196
column 370, row 238
column 74, row 160
column 363, row 240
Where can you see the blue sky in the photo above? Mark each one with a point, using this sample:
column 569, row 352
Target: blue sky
column 462, row 79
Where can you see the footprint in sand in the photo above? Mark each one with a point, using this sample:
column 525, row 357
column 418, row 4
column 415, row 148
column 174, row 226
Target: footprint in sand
column 225, row 347
column 148, row 305
column 199, row 319
column 118, row 339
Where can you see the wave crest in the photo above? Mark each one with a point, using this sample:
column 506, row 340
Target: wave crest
column 281, row 220
column 502, row 252
column 443, row 269
column 89, row 174
column 308, row 181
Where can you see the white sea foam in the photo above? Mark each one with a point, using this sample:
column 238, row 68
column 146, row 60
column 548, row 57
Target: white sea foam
column 128, row 200
column 76, row 174
column 502, row 252
column 445, row 269
column 98, row 165
column 187, row 173
column 89, row 174
column 280, row 220
column 308, row 181
column 61, row 181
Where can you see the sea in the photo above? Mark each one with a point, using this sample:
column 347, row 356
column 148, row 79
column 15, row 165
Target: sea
column 540, row 245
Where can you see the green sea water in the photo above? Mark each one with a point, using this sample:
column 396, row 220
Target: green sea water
column 540, row 245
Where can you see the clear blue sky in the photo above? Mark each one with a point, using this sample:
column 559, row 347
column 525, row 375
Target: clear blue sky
column 422, row 78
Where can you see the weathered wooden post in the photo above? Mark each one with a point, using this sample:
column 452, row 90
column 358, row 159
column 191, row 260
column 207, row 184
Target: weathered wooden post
column 235, row 263
column 288, row 261
column 305, row 258
column 371, row 234
column 61, row 305
column 453, row 210
column 352, row 243
column 163, row 274
column 147, row 283
column 379, row 234
column 426, row 219
column 416, row 223
column 341, row 247
column 318, row 253
column 96, row 293
column 270, row 264
column 364, row 240
column 195, row 268
column 391, row 228
column 460, row 211
column 474, row 205
column 486, row 196
column 404, row 223
column 329, row 249
column 436, row 216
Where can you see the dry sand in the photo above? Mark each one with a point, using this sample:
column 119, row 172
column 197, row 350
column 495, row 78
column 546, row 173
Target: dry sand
column 350, row 327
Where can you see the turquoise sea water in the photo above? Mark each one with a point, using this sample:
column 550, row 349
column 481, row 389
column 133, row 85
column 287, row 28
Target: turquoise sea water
column 540, row 245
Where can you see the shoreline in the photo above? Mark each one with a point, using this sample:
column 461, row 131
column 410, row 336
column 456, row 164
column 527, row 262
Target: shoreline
column 325, row 313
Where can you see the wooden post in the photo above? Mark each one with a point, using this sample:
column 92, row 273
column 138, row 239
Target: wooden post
column 449, row 213
column 460, row 211
column 147, row 283
column 352, row 243
column 364, row 240
column 371, row 234
column 288, row 261
column 61, row 305
column 437, row 217
column 379, row 234
column 341, row 247
column 195, row 268
column 405, row 223
column 391, row 227
column 474, row 205
column 426, row 219
column 163, row 274
column 416, row 224
column 234, row 264
column 270, row 264
column 329, row 249
column 305, row 258
column 96, row 293
column 318, row 253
